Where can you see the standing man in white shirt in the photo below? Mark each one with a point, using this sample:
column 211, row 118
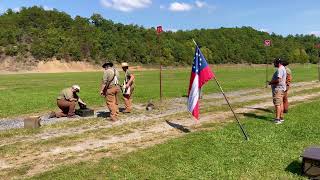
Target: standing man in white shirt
column 278, row 85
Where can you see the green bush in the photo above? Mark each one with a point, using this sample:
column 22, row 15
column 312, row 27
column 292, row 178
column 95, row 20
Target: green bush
column 11, row 50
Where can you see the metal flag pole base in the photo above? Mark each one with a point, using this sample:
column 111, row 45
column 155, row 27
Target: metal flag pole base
column 234, row 114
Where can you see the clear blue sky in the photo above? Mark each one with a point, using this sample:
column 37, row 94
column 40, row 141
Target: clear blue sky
column 279, row 16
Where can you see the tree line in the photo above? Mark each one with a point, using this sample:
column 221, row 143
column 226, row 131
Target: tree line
column 44, row 34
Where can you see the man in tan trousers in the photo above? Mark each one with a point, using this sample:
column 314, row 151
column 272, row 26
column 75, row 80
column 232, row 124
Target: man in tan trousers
column 110, row 89
column 288, row 83
column 127, row 87
column 66, row 101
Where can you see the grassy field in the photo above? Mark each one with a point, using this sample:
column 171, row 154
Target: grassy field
column 34, row 93
column 271, row 153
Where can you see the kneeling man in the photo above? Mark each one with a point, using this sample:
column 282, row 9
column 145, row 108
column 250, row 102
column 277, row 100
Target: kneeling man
column 66, row 101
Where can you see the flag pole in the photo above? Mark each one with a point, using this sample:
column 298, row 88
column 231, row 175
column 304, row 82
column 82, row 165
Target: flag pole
column 234, row 114
column 194, row 42
column 225, row 97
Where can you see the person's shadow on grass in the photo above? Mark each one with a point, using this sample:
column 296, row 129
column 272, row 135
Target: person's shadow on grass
column 255, row 116
column 178, row 126
column 103, row 114
column 295, row 168
column 261, row 109
column 121, row 109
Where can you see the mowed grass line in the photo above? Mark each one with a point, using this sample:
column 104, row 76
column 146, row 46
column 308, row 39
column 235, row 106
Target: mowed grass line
column 34, row 93
column 271, row 153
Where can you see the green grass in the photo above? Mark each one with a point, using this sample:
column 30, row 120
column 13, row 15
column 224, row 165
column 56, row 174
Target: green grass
column 34, row 93
column 271, row 153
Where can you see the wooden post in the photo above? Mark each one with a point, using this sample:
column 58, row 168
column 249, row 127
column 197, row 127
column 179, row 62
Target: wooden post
column 267, row 74
column 32, row 122
column 318, row 48
column 160, row 82
column 159, row 31
column 319, row 67
column 267, row 44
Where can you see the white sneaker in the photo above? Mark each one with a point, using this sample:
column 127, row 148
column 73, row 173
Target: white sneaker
column 277, row 121
column 282, row 120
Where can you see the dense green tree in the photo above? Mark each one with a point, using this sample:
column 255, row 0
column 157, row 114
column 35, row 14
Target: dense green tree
column 46, row 34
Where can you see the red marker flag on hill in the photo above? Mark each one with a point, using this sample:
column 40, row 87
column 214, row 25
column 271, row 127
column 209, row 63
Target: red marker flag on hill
column 200, row 74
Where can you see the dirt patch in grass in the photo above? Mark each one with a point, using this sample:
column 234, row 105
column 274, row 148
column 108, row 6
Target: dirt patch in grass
column 56, row 66
column 9, row 65
column 4, row 164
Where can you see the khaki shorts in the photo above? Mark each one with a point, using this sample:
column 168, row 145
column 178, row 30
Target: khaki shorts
column 277, row 97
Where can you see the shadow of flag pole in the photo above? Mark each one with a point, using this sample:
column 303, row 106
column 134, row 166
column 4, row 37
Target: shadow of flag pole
column 225, row 97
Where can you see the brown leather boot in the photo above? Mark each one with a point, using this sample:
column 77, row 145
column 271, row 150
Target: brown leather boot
column 113, row 119
column 126, row 111
column 52, row 115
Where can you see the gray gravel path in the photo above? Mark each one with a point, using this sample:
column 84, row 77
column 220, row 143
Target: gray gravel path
column 180, row 103
column 6, row 124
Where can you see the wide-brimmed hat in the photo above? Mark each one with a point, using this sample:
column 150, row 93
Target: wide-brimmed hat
column 107, row 64
column 77, row 87
column 124, row 64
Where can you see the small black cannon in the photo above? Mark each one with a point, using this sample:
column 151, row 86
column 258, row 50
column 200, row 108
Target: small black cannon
column 84, row 111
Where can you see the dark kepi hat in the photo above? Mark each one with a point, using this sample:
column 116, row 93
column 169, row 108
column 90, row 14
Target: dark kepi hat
column 107, row 64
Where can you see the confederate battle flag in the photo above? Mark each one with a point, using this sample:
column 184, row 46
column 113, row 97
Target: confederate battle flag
column 201, row 73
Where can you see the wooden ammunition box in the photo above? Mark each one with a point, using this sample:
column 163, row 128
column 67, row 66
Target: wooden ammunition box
column 311, row 162
column 32, row 122
column 84, row 112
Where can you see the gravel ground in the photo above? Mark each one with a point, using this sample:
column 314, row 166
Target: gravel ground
column 10, row 124
column 6, row 124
